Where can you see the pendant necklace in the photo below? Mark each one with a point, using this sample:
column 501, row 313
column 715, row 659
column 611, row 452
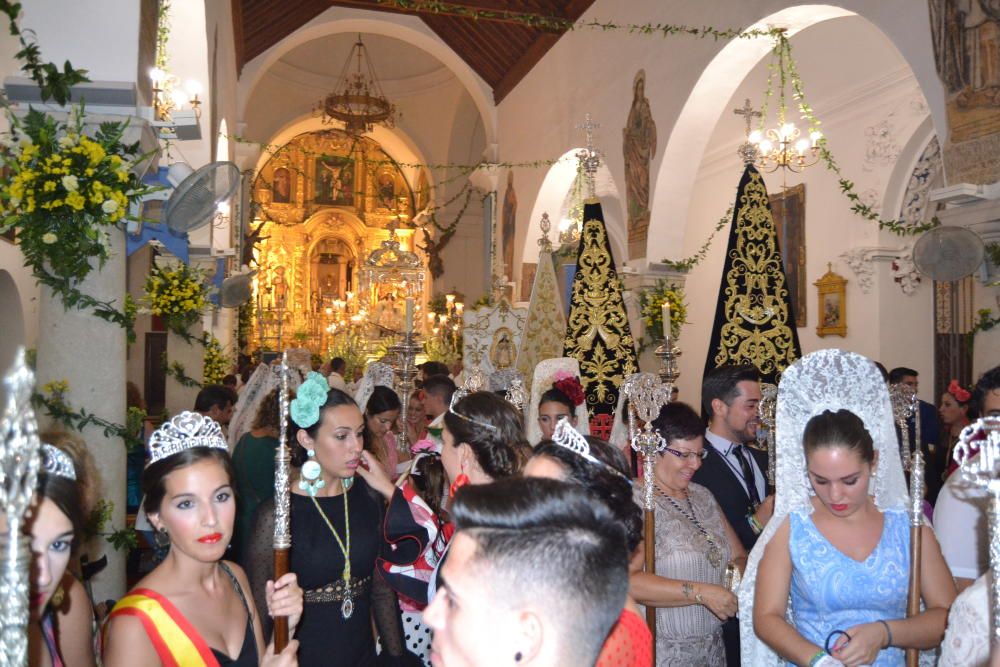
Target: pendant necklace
column 347, row 608
column 714, row 554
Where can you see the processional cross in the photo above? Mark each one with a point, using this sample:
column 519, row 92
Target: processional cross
column 590, row 158
column 747, row 151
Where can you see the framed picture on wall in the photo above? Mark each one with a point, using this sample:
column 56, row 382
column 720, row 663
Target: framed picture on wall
column 831, row 292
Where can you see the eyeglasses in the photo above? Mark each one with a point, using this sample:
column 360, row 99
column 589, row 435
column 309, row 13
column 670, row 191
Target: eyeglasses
column 687, row 456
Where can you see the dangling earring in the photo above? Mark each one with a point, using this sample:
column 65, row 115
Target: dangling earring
column 57, row 598
column 161, row 538
column 459, row 482
column 311, row 471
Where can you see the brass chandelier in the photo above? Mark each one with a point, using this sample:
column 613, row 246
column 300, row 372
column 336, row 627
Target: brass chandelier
column 357, row 100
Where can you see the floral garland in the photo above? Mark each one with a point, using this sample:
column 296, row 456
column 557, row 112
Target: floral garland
column 651, row 302
column 178, row 295
column 985, row 321
column 176, row 370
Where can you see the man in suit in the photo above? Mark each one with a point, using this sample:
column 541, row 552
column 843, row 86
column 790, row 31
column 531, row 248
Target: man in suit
column 732, row 471
column 935, row 452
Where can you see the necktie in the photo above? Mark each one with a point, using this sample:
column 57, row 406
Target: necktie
column 748, row 475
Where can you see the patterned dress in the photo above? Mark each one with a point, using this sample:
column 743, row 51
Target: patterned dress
column 689, row 636
column 831, row 591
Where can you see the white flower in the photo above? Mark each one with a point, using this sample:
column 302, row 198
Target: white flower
column 66, row 142
column 70, row 183
column 109, row 206
column 49, row 238
column 15, row 202
column 25, row 141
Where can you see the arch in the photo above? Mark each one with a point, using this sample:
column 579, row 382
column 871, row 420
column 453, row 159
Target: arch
column 675, row 178
column 329, row 23
column 13, row 317
column 551, row 199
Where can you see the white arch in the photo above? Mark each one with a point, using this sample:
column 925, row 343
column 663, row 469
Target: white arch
column 551, row 195
column 676, row 172
column 407, row 29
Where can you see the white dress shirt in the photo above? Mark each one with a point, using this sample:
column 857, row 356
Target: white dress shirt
column 728, row 452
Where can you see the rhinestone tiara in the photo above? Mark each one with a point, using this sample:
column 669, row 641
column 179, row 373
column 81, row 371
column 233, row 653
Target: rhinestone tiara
column 568, row 437
column 185, row 431
column 57, row 462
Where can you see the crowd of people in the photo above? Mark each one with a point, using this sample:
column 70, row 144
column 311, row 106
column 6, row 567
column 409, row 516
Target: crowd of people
column 464, row 536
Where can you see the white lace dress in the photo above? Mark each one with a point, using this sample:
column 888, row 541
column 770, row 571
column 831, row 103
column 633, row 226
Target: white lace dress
column 967, row 639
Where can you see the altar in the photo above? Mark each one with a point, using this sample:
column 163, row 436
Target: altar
column 335, row 261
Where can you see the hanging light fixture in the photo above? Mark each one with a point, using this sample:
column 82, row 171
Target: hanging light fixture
column 357, row 100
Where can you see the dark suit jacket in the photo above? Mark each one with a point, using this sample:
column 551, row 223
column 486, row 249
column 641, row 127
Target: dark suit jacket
column 930, row 434
column 716, row 475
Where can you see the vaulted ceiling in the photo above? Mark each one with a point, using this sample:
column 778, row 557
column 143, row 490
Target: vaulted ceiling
column 501, row 51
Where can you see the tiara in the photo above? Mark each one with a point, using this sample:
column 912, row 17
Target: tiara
column 457, row 396
column 568, row 437
column 57, row 462
column 185, row 431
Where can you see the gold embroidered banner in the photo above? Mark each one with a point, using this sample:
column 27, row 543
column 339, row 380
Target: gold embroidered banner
column 754, row 321
column 545, row 327
column 597, row 330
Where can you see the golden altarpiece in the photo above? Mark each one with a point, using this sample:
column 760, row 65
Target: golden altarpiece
column 336, row 257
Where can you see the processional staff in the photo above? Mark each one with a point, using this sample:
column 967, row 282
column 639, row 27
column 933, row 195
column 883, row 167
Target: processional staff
column 19, row 463
column 983, row 470
column 282, row 504
column 767, row 410
column 916, row 522
column 646, row 395
column 904, row 402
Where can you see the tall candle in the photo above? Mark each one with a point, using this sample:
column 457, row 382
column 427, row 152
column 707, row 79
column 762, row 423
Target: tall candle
column 409, row 315
column 666, row 320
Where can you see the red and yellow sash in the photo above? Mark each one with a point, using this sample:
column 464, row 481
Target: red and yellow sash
column 176, row 641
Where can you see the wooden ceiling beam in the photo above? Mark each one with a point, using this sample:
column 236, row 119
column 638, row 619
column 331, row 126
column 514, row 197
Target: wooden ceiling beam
column 458, row 14
column 524, row 64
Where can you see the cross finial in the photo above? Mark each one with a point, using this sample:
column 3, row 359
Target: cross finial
column 589, row 126
column 590, row 158
column 748, row 113
column 544, row 243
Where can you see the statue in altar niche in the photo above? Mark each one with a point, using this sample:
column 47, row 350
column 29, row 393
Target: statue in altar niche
column 388, row 310
column 279, row 287
column 508, row 227
column 502, row 352
column 639, row 147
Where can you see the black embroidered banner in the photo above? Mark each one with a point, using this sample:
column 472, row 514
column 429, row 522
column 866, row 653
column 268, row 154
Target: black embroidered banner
column 754, row 320
column 597, row 330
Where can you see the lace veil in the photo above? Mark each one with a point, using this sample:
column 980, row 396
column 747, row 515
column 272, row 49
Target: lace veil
column 541, row 382
column 824, row 380
column 377, row 373
column 265, row 378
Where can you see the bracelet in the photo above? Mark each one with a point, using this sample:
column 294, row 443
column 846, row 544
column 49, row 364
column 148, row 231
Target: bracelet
column 816, row 658
column 688, row 590
column 755, row 525
column 888, row 633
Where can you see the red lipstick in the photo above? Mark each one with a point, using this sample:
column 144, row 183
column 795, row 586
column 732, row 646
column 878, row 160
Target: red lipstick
column 838, row 508
column 210, row 539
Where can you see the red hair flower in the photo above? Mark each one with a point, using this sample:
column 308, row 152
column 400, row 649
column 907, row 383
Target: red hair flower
column 961, row 395
column 571, row 387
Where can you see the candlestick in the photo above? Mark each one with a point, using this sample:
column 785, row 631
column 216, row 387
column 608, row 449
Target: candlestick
column 409, row 315
column 666, row 320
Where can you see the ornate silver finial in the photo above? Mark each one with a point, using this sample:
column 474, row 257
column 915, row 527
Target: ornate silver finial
column 646, row 395
column 544, row 243
column 19, row 463
column 57, row 462
column 767, row 413
column 282, row 461
column 590, row 158
column 185, row 431
column 516, row 394
column 903, row 400
column 475, row 381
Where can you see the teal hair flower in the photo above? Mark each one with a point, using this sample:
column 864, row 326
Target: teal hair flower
column 309, row 398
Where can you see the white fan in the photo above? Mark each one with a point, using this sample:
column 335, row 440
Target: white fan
column 197, row 193
column 235, row 290
column 948, row 253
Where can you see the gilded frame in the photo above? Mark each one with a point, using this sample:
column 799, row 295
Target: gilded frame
column 831, row 305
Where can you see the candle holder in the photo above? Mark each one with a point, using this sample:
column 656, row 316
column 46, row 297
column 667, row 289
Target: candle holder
column 406, row 373
column 983, row 471
column 668, row 354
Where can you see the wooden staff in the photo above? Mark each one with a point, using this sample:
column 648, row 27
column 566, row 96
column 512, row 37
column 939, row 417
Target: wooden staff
column 282, row 504
column 916, row 522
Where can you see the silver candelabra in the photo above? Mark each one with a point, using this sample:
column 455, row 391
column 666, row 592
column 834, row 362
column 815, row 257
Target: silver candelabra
column 406, row 373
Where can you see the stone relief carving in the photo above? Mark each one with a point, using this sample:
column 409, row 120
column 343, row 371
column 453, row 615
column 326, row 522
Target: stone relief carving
column 926, row 173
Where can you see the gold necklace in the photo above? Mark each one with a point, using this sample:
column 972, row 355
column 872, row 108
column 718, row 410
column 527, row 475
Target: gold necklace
column 714, row 554
column 347, row 608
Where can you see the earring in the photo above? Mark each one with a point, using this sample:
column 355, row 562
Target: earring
column 311, row 470
column 459, row 482
column 517, row 657
column 57, row 598
column 162, row 538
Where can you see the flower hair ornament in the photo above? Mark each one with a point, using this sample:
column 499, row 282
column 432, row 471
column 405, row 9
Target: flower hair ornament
column 57, row 462
column 305, row 410
column 185, row 431
column 960, row 395
column 568, row 437
column 569, row 384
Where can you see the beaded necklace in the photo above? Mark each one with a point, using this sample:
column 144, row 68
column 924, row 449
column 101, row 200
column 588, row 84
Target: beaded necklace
column 714, row 554
column 347, row 608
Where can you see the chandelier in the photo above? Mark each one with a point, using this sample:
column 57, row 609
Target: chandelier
column 357, row 100
column 781, row 147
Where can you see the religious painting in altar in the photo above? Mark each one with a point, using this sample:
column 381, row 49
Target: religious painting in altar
column 639, row 148
column 281, row 193
column 831, row 292
column 788, row 208
column 334, row 181
column 492, row 336
column 966, row 40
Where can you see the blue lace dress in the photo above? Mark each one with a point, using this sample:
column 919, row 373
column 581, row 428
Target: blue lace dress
column 832, row 591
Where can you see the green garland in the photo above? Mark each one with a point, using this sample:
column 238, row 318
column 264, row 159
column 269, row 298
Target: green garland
column 176, row 370
column 52, row 398
column 685, row 265
column 985, row 321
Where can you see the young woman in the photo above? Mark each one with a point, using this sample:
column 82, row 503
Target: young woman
column 195, row 608
column 336, row 537
column 602, row 470
column 556, row 393
column 61, row 632
column 957, row 411
column 837, row 549
column 381, row 412
column 253, row 464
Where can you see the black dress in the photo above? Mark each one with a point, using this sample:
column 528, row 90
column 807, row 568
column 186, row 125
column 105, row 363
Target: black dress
column 325, row 636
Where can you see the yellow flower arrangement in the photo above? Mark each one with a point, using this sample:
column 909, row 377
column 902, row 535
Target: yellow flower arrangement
column 216, row 363
column 178, row 295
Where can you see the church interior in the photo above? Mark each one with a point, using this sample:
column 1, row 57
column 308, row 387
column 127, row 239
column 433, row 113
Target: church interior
column 376, row 179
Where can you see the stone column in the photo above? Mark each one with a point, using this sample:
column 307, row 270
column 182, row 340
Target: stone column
column 89, row 353
column 192, row 357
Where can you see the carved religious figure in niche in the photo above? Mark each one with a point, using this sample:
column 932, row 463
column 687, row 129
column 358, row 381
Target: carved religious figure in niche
column 282, row 186
column 502, row 350
column 639, row 147
column 509, row 219
column 335, row 181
